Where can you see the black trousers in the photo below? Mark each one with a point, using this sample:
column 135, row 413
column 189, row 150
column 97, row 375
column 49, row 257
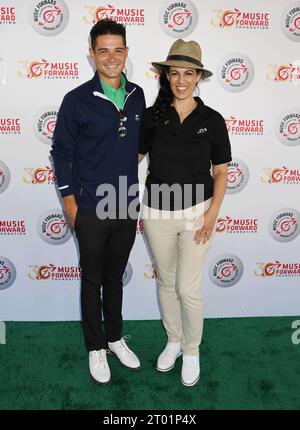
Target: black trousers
column 104, row 247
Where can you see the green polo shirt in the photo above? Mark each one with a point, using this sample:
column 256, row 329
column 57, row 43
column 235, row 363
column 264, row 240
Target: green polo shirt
column 116, row 95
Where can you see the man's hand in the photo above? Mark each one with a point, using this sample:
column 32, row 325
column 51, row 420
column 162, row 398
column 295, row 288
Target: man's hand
column 71, row 208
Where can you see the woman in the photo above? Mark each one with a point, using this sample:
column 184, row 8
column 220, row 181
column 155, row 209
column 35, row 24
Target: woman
column 184, row 139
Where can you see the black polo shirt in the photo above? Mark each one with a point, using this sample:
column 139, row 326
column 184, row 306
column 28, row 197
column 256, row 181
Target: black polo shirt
column 183, row 153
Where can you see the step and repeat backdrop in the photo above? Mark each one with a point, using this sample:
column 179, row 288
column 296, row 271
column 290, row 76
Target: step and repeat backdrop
column 253, row 268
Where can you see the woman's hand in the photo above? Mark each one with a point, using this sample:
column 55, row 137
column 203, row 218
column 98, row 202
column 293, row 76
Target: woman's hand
column 205, row 226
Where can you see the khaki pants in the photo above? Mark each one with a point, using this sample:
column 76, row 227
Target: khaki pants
column 179, row 265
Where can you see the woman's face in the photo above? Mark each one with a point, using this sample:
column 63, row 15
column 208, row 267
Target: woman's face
column 183, row 81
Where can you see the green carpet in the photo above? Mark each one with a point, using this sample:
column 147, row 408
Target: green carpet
column 246, row 363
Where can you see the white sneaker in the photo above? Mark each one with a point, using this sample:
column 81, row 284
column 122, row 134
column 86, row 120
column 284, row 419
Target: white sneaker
column 190, row 372
column 124, row 354
column 167, row 359
column 99, row 368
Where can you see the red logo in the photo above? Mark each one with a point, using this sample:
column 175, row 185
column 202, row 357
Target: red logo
column 39, row 176
column 236, row 73
column 48, row 70
column 244, row 127
column 10, row 126
column 179, row 18
column 281, row 175
column 227, row 271
column 126, row 16
column 234, row 174
column 139, row 227
column 237, row 225
column 277, row 269
column 241, row 20
column 46, row 272
column 49, row 15
column 7, row 15
column 3, row 271
column 292, row 129
column 12, row 227
column 285, row 73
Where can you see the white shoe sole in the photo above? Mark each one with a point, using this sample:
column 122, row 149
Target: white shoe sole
column 124, row 365
column 98, row 382
column 169, row 368
column 191, row 384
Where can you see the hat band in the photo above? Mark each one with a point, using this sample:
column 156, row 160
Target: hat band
column 184, row 58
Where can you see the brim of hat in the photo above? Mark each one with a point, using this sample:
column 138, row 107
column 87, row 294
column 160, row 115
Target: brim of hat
column 205, row 73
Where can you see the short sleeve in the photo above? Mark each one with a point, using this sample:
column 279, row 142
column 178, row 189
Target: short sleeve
column 221, row 150
column 146, row 132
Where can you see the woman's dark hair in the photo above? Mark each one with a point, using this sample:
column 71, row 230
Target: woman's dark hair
column 107, row 26
column 164, row 98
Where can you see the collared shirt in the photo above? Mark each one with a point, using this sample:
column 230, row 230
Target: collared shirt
column 116, row 95
column 182, row 153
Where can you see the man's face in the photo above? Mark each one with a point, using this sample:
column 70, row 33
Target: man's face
column 109, row 56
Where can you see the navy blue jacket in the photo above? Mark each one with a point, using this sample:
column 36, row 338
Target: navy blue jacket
column 86, row 150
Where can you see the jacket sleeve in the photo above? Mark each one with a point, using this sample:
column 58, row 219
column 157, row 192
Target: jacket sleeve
column 65, row 138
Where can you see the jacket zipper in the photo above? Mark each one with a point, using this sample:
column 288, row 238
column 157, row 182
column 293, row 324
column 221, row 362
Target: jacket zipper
column 103, row 96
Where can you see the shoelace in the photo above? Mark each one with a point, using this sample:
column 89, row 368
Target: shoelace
column 123, row 344
column 100, row 357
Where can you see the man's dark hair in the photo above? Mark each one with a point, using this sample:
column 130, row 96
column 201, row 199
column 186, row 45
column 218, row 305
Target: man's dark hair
column 107, row 26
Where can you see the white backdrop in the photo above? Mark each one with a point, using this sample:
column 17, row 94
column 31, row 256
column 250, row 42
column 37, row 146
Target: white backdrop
column 252, row 47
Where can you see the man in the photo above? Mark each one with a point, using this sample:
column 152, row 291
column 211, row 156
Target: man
column 95, row 143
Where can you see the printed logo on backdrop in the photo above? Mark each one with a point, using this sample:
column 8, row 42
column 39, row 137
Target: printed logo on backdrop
column 39, row 176
column 48, row 17
column 44, row 123
column 150, row 272
column 178, row 18
column 12, row 227
column 244, row 127
column 226, row 270
column 151, row 72
column 280, row 175
column 288, row 127
column 284, row 225
column 125, row 16
column 47, row 70
column 290, row 21
column 276, row 269
column 235, row 72
column 229, row 225
column 139, row 227
column 238, row 176
column 7, row 273
column 53, row 227
column 127, row 274
column 7, row 15
column 51, row 272
column 240, row 19
column 4, row 177
column 284, row 73
column 10, row 125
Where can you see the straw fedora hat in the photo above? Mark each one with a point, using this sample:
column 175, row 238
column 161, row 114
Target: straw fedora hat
column 185, row 54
